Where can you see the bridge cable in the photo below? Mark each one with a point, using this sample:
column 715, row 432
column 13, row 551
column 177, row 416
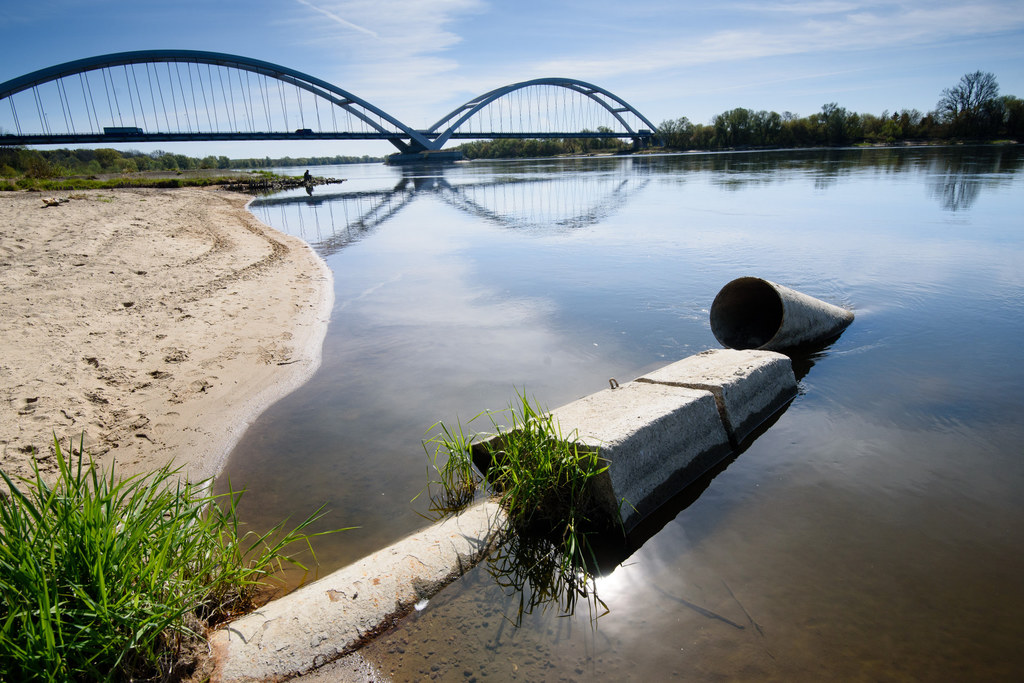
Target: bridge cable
column 110, row 107
column 117, row 102
column 234, row 110
column 64, row 106
column 192, row 92
column 163, row 104
column 152, row 99
column 302, row 113
column 202, row 91
column 528, row 94
column 192, row 89
column 538, row 110
column 138, row 93
column 519, row 108
column 248, row 94
column 71, row 115
column 524, row 104
column 250, row 107
column 60, row 99
column 174, row 104
column 284, row 108
column 39, row 109
column 547, row 107
column 184, row 97
column 85, row 98
column 14, row 114
column 184, row 104
column 131, row 100
column 316, row 106
column 223, row 93
column 174, row 101
column 239, row 125
column 565, row 112
column 213, row 98
column 235, row 126
column 265, row 99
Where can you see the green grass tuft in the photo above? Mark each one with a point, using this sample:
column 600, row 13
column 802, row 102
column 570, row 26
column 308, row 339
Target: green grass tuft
column 105, row 579
column 452, row 462
column 545, row 479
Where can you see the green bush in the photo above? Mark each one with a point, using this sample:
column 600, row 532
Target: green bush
column 105, row 578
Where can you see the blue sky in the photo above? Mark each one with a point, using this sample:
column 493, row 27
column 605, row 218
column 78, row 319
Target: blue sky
column 669, row 58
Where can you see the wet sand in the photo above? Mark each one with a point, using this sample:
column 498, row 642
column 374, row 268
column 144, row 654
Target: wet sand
column 158, row 323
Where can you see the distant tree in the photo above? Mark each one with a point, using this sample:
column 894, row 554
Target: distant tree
column 836, row 124
column 972, row 106
column 702, row 136
column 734, row 128
column 676, row 133
column 767, row 128
column 1013, row 116
column 38, row 167
column 108, row 158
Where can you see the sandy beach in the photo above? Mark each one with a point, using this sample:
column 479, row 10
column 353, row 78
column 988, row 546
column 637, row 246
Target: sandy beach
column 158, row 323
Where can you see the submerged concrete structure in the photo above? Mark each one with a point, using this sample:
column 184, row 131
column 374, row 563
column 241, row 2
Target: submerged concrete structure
column 754, row 313
column 659, row 433
column 665, row 429
column 748, row 386
column 330, row 617
column 654, row 437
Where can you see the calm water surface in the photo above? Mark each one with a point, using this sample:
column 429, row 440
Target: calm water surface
column 874, row 532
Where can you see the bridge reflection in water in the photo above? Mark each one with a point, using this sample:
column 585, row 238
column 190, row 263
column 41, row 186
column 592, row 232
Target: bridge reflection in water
column 330, row 222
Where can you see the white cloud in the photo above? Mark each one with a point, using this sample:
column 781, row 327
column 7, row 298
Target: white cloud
column 394, row 53
column 830, row 27
column 338, row 20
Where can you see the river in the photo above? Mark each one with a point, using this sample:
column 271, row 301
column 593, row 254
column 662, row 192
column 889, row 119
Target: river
column 874, row 532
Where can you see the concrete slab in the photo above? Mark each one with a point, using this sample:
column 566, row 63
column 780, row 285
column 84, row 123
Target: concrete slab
column 749, row 386
column 323, row 620
column 657, row 438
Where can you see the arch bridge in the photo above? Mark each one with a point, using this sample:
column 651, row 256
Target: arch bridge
column 186, row 95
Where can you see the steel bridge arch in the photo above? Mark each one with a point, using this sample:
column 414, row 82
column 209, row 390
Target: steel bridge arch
column 317, row 87
column 594, row 92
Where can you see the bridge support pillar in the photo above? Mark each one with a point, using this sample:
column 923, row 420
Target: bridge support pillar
column 427, row 156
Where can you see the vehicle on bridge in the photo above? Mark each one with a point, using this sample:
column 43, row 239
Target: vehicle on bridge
column 122, row 130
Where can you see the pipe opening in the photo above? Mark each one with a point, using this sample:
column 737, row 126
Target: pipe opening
column 746, row 314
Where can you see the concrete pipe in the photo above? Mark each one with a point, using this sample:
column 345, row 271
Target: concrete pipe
column 751, row 313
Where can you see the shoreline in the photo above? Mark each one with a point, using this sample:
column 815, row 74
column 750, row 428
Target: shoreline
column 158, row 322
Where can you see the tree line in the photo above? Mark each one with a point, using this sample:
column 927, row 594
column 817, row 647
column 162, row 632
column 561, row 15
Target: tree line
column 972, row 109
column 34, row 163
column 515, row 148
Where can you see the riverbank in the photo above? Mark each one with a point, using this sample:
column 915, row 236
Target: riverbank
column 158, row 323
